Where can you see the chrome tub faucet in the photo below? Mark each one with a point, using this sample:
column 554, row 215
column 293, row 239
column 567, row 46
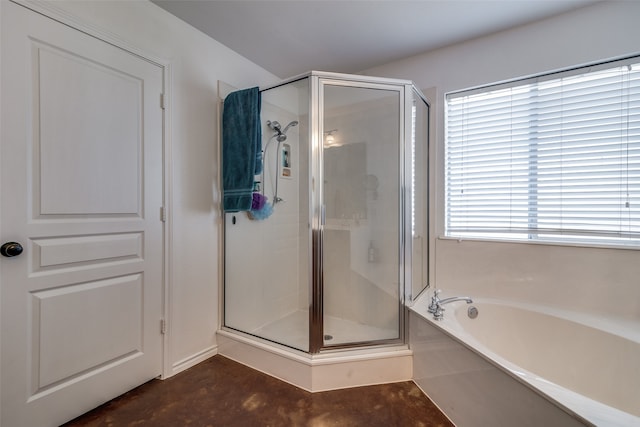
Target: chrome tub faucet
column 436, row 304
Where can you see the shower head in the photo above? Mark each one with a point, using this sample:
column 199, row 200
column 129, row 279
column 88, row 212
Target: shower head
column 293, row 123
column 277, row 127
column 280, row 134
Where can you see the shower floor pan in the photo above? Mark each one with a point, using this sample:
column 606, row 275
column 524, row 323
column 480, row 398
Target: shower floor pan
column 292, row 330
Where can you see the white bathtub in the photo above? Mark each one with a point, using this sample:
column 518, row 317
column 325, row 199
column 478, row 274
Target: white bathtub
column 589, row 366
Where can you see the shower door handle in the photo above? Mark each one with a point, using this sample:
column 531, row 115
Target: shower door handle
column 323, row 214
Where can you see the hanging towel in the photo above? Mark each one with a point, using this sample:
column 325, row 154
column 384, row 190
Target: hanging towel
column 241, row 148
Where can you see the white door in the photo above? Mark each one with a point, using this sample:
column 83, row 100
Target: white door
column 81, row 191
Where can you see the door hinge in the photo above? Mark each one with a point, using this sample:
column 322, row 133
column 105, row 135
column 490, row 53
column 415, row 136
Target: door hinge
column 163, row 214
column 163, row 327
column 162, row 101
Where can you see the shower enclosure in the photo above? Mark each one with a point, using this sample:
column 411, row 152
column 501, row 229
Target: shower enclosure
column 328, row 263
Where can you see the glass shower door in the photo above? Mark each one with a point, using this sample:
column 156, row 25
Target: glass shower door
column 362, row 227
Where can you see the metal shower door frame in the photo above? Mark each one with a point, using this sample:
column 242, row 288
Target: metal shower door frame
column 405, row 91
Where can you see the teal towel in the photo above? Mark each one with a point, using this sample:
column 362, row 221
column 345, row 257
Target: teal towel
column 241, row 148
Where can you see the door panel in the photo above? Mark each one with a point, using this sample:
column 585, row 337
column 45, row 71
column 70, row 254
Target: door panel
column 59, row 315
column 108, row 138
column 66, row 252
column 81, row 189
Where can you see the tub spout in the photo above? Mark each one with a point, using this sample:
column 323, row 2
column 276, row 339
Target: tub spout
column 454, row 299
column 438, row 314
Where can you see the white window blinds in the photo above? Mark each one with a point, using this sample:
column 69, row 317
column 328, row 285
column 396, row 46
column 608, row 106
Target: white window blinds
column 551, row 158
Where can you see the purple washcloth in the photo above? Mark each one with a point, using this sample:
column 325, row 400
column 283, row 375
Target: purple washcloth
column 258, row 201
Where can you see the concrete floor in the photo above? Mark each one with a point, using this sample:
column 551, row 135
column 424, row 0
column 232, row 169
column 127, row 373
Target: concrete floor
column 221, row 392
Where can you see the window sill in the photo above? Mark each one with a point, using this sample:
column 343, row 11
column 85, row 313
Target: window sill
column 594, row 245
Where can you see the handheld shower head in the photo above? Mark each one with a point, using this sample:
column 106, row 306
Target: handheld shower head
column 280, row 134
column 293, row 123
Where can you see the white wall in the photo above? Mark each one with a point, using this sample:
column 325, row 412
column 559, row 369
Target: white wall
column 597, row 280
column 197, row 63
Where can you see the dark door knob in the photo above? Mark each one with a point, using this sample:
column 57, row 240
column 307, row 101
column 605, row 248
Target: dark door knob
column 10, row 249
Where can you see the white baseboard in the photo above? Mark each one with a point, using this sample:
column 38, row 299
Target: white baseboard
column 194, row 359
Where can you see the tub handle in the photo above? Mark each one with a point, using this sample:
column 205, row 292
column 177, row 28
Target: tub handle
column 433, row 307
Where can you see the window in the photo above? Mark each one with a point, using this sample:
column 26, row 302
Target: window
column 551, row 158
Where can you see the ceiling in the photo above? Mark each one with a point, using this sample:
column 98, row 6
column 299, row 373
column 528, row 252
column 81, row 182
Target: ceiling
column 291, row 37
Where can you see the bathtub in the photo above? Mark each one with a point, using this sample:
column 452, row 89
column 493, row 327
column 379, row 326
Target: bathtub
column 588, row 367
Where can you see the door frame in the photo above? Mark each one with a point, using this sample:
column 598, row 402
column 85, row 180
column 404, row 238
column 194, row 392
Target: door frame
column 52, row 11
